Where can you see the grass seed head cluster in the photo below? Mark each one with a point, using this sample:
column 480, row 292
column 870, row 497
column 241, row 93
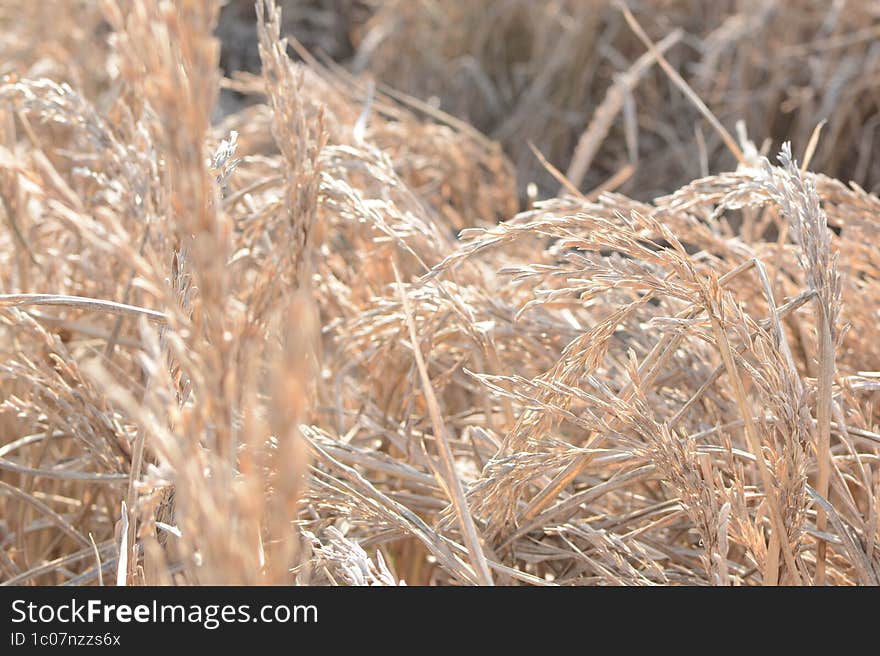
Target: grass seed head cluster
column 489, row 295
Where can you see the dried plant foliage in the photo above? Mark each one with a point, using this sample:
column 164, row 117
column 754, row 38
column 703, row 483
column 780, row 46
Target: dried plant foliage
column 552, row 72
column 318, row 339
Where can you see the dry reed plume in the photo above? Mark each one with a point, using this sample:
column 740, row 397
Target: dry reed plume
column 480, row 295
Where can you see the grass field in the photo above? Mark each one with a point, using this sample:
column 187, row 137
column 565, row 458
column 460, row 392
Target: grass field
column 380, row 292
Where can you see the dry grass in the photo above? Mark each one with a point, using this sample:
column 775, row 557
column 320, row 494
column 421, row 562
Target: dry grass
column 335, row 336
